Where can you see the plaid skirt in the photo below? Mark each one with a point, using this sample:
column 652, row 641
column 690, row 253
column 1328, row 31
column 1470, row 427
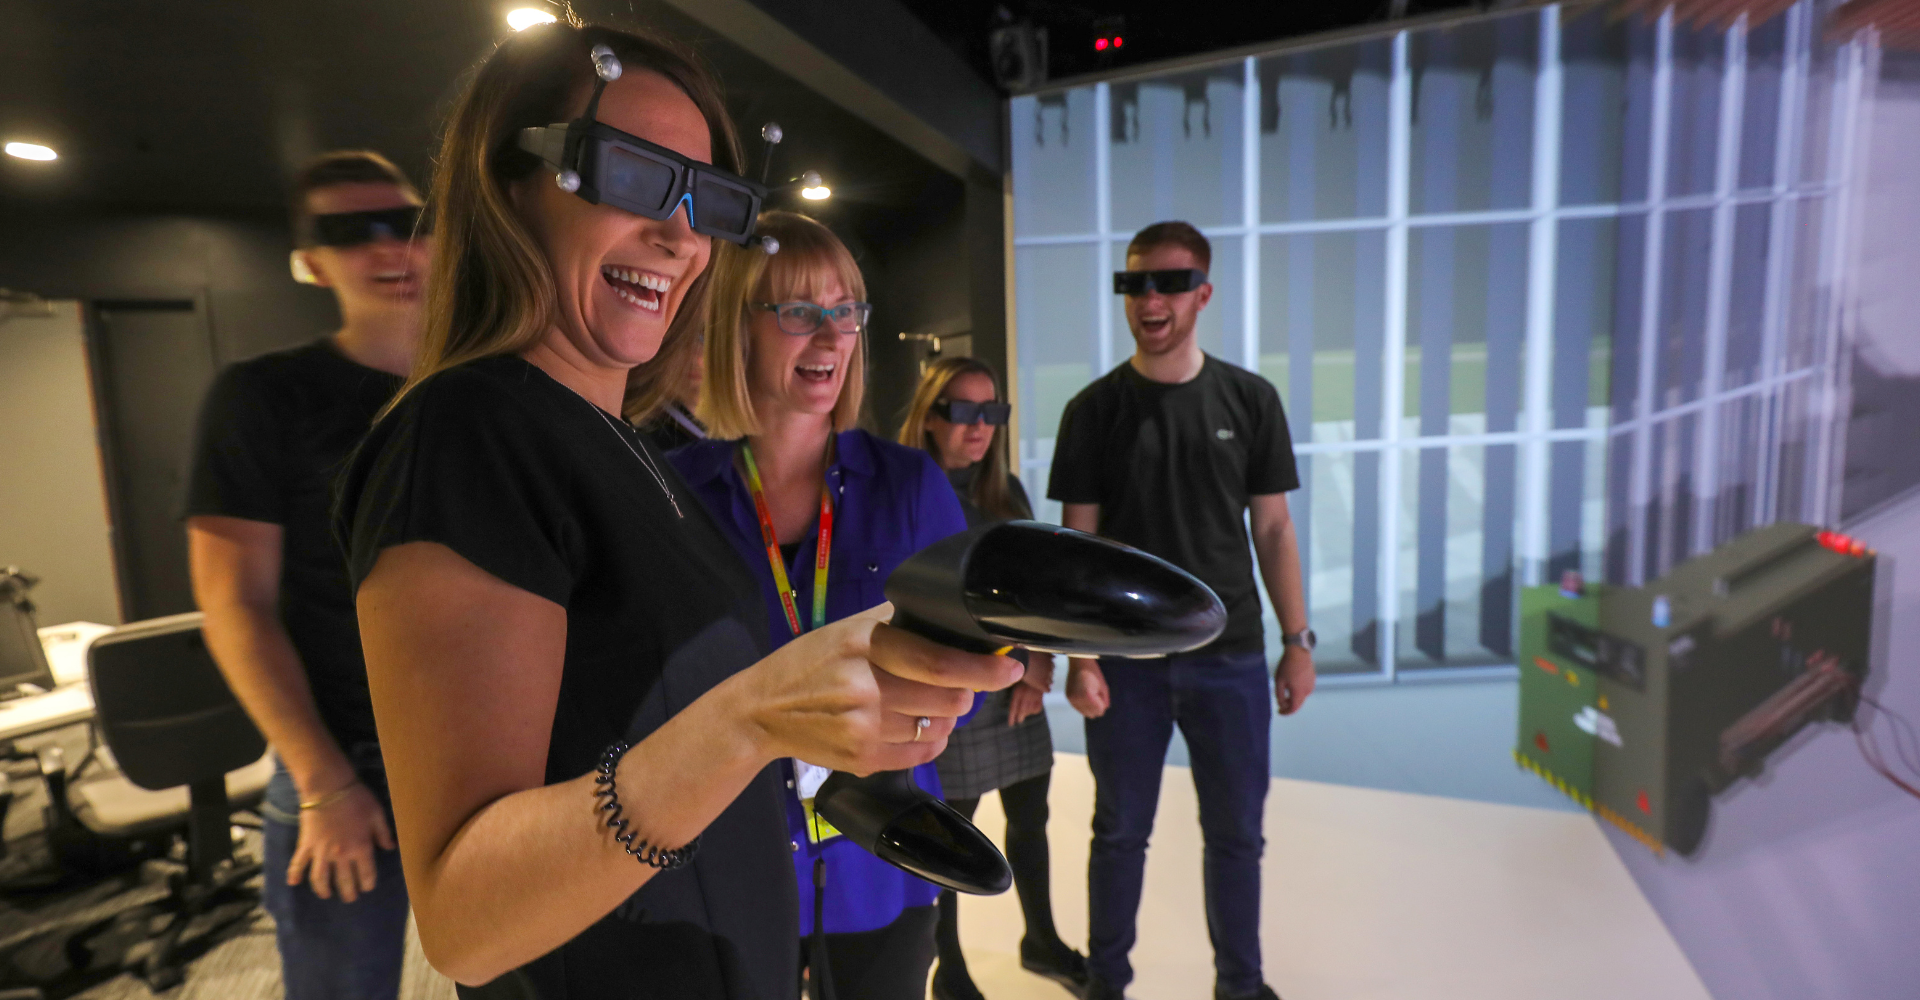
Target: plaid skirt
column 987, row 754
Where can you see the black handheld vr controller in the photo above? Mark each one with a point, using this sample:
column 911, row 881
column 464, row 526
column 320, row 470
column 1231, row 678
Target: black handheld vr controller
column 1020, row 583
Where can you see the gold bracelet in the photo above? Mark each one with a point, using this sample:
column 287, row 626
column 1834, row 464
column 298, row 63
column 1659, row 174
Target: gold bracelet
column 328, row 799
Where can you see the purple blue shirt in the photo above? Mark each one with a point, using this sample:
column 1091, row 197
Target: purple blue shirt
column 890, row 501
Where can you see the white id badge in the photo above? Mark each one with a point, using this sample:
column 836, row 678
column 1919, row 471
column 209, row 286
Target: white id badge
column 807, row 779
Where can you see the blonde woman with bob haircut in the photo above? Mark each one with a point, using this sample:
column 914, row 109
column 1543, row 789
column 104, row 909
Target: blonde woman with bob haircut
column 811, row 258
column 579, row 715
column 822, row 512
column 960, row 418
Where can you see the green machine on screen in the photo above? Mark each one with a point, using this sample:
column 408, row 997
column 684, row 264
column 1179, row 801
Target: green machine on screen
column 1642, row 703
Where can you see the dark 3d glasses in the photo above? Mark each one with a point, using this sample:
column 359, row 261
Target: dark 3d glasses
column 1136, row 283
column 961, row 411
column 351, row 229
column 634, row 175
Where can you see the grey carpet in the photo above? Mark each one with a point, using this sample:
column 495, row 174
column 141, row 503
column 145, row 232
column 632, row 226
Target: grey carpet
column 241, row 962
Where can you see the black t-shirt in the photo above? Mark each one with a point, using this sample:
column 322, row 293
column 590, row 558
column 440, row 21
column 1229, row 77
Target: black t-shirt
column 533, row 484
column 962, row 480
column 273, row 433
column 1172, row 468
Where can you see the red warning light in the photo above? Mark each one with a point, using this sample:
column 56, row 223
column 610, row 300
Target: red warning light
column 1843, row 544
column 1118, row 41
column 1645, row 804
column 1100, row 45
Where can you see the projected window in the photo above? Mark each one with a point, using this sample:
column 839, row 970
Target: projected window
column 1541, row 291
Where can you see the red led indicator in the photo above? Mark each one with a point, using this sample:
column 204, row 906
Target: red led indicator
column 1840, row 543
column 1118, row 41
column 1645, row 804
column 1100, row 44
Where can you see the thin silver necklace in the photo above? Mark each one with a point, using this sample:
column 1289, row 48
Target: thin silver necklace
column 637, row 453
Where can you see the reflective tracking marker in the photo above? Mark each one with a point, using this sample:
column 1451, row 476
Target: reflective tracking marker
column 605, row 166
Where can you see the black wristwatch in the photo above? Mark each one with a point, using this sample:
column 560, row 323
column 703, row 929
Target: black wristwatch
column 1304, row 638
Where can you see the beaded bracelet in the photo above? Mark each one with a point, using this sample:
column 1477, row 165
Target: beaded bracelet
column 629, row 840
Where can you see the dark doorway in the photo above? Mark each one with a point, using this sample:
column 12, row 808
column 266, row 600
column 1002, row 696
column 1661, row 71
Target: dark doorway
column 153, row 360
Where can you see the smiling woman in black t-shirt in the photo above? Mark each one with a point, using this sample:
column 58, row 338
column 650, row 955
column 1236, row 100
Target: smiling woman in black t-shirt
column 537, row 589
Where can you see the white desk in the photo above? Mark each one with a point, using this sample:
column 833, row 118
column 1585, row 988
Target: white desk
column 71, row 700
column 62, row 706
column 67, row 646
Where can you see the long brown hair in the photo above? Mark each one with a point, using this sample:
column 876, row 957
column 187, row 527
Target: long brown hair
column 990, row 490
column 491, row 290
column 809, row 255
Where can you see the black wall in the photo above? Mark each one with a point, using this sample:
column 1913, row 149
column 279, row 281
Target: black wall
column 932, row 261
column 915, row 266
column 172, row 164
column 165, row 204
column 238, row 261
column 167, row 300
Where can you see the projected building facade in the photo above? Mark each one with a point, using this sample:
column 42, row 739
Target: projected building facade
column 1541, row 291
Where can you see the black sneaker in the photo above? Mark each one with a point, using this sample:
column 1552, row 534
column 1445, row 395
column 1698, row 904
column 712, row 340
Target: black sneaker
column 957, row 986
column 1058, row 962
column 1265, row 992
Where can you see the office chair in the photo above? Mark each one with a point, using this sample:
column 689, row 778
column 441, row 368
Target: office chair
column 187, row 756
column 21, row 659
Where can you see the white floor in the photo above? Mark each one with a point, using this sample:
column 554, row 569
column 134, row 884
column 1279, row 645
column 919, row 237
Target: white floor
column 1369, row 895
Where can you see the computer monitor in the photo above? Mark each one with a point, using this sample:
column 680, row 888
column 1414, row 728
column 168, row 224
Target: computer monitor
column 22, row 659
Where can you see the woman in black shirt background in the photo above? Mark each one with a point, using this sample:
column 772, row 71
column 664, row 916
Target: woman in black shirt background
column 958, row 416
column 537, row 588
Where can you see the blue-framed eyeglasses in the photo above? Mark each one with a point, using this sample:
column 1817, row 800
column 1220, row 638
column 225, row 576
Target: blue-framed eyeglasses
column 801, row 319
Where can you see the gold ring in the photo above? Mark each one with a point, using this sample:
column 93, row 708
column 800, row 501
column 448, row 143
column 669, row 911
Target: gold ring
column 920, row 727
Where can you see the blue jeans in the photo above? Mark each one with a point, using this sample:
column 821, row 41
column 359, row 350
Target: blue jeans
column 330, row 949
column 1223, row 704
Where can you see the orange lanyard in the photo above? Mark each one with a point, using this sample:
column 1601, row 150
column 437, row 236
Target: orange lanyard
column 788, row 599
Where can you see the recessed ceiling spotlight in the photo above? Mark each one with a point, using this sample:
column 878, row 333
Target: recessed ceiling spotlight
column 527, row 17
column 31, row 151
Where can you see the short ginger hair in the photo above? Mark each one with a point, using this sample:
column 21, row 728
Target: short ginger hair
column 342, row 166
column 1179, row 234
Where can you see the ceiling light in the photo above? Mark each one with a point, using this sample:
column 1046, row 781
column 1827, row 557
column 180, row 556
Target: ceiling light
column 813, row 188
column 31, row 151
column 527, row 17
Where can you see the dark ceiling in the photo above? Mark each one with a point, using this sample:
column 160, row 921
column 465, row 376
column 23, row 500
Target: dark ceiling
column 207, row 105
column 1154, row 29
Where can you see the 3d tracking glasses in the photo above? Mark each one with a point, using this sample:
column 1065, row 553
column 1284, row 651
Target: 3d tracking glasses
column 606, row 166
column 1135, row 283
column 961, row 411
column 351, row 229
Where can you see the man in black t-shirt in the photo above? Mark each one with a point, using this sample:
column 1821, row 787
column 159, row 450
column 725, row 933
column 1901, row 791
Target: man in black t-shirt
column 1171, row 452
column 280, row 620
